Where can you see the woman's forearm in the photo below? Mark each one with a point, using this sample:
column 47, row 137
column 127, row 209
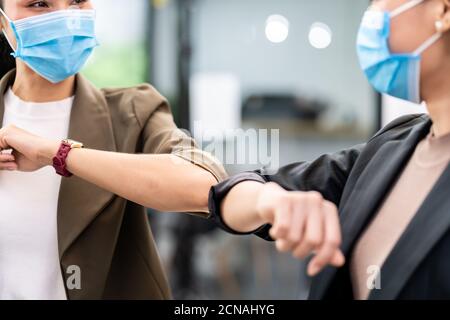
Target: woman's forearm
column 239, row 208
column 161, row 182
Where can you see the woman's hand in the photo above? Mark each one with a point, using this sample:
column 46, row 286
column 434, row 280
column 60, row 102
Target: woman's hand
column 29, row 152
column 303, row 223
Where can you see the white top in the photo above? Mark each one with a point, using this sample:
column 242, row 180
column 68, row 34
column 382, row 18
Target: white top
column 29, row 259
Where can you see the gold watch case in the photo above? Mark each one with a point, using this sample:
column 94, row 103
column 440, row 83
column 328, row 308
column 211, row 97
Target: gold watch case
column 74, row 144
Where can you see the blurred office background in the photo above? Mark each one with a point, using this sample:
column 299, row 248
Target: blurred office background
column 263, row 64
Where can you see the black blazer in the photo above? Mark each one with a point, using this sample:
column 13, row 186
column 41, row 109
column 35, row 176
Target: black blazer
column 357, row 180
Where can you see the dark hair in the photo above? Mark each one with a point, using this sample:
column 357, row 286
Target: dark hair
column 7, row 62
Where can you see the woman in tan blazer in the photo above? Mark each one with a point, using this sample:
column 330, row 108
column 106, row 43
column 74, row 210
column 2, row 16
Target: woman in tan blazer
column 133, row 150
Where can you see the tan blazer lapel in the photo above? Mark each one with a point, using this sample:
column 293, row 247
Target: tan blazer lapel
column 5, row 83
column 79, row 201
column 90, row 123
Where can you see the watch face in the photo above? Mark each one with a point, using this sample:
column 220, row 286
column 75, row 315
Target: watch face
column 74, row 144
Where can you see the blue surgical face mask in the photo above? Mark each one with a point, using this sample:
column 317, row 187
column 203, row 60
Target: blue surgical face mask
column 55, row 45
column 397, row 75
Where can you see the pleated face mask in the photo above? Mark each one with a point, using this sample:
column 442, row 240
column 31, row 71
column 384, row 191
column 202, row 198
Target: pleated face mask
column 397, row 75
column 55, row 45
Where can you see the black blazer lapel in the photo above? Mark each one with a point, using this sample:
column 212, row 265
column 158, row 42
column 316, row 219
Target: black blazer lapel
column 373, row 185
column 429, row 225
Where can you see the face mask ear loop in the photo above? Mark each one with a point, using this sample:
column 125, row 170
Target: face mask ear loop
column 409, row 5
column 4, row 32
column 427, row 44
column 4, row 14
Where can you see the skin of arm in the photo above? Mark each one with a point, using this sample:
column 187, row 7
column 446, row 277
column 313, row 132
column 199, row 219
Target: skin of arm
column 243, row 199
column 162, row 182
column 145, row 179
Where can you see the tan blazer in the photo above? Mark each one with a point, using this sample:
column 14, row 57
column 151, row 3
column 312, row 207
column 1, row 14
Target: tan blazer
column 106, row 236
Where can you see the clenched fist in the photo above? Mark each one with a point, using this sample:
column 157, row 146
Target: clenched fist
column 21, row 150
column 304, row 223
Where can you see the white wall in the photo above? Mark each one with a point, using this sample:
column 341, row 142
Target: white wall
column 229, row 37
column 166, row 50
column 394, row 108
column 118, row 26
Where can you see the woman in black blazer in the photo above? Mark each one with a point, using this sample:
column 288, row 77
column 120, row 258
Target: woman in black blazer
column 325, row 207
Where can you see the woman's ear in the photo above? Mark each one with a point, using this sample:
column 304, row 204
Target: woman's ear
column 443, row 21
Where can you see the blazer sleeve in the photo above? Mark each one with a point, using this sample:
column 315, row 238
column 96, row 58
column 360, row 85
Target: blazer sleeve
column 160, row 135
column 327, row 175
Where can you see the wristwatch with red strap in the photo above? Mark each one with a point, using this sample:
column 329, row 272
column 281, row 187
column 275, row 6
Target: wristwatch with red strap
column 59, row 161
